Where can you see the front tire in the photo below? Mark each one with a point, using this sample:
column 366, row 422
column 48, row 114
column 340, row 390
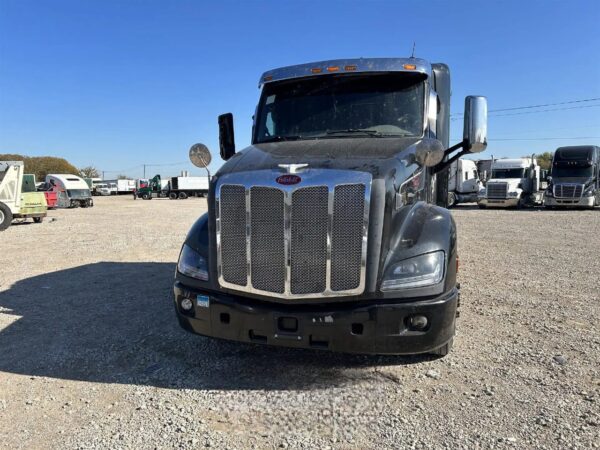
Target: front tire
column 38, row 219
column 6, row 217
column 451, row 199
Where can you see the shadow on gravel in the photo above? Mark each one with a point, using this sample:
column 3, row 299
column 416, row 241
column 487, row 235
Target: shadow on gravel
column 114, row 323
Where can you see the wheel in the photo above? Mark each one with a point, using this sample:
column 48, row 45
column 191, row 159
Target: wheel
column 6, row 216
column 145, row 196
column 451, row 199
column 183, row 195
column 444, row 349
column 38, row 219
column 173, row 196
column 481, row 206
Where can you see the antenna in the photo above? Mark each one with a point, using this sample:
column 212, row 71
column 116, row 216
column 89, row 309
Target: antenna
column 413, row 52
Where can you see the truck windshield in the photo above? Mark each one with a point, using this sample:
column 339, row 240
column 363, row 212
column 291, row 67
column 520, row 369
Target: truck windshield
column 374, row 105
column 508, row 173
column 78, row 193
column 572, row 172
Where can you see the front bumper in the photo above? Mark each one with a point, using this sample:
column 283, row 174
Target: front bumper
column 377, row 328
column 499, row 202
column 582, row 202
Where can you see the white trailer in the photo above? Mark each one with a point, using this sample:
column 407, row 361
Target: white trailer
column 72, row 190
column 121, row 186
column 184, row 187
column 463, row 182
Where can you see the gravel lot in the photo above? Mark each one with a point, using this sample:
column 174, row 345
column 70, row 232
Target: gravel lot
column 91, row 355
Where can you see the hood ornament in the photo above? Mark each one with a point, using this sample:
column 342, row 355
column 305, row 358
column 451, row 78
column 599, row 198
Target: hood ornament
column 292, row 168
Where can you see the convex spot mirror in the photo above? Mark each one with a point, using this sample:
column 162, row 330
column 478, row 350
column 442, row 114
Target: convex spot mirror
column 200, row 155
column 475, row 127
column 429, row 152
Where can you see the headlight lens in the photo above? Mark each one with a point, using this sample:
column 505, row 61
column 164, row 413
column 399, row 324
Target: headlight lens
column 513, row 194
column 423, row 270
column 192, row 264
column 589, row 191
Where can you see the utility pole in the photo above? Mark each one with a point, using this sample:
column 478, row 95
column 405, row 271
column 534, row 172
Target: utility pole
column 103, row 175
column 144, row 170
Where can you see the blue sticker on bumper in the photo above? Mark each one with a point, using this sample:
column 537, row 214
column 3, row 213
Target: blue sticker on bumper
column 203, row 301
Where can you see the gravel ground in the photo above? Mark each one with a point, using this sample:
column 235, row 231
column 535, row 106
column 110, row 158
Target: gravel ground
column 91, row 355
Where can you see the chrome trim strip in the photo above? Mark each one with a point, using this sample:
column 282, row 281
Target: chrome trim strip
column 310, row 177
column 361, row 65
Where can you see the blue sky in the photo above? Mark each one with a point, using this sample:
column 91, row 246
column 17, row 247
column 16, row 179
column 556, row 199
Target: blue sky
column 117, row 84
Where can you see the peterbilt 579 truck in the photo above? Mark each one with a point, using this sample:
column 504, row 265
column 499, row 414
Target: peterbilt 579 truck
column 575, row 178
column 324, row 233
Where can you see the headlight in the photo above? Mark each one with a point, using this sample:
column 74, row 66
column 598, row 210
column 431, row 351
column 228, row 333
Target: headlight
column 513, row 194
column 589, row 191
column 192, row 264
column 423, row 270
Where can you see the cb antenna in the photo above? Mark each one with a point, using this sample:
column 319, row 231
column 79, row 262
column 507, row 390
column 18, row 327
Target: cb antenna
column 413, row 51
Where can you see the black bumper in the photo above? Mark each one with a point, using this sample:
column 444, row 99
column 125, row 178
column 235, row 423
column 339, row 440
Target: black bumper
column 377, row 328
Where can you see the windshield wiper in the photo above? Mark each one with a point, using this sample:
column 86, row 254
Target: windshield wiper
column 278, row 138
column 356, row 130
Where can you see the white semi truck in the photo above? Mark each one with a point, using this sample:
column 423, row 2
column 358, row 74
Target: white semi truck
column 514, row 183
column 14, row 203
column 463, row 182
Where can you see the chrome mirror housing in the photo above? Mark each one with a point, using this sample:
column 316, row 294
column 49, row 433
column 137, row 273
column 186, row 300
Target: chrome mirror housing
column 429, row 152
column 475, row 127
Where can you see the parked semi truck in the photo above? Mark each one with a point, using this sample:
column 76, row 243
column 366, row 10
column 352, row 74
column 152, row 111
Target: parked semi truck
column 513, row 183
column 14, row 202
column 575, row 178
column 173, row 187
column 463, row 182
column 324, row 233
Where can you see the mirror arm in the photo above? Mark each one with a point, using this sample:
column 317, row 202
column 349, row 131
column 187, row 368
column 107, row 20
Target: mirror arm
column 464, row 144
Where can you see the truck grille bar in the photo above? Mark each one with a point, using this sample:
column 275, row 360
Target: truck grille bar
column 568, row 190
column 304, row 240
column 497, row 190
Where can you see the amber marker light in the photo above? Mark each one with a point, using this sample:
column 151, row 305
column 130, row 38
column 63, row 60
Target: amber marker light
column 349, row 68
column 316, row 70
column 268, row 78
column 409, row 66
column 333, row 69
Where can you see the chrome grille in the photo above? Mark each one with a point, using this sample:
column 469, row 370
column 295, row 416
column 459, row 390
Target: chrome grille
column 347, row 236
column 497, row 190
column 233, row 225
column 564, row 190
column 308, row 256
column 306, row 240
column 266, row 227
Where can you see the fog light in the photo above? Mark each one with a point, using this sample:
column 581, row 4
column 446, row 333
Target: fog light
column 186, row 304
column 419, row 322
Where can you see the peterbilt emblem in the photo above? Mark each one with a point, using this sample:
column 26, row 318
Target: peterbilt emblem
column 288, row 179
column 293, row 168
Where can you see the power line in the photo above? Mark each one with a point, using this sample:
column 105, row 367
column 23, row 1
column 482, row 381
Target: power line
column 544, row 105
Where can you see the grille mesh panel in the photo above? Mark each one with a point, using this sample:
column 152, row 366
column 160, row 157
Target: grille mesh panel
column 568, row 190
column 309, row 240
column 346, row 245
column 233, row 234
column 267, row 237
column 497, row 190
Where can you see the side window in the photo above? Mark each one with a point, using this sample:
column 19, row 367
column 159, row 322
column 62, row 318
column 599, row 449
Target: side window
column 412, row 190
column 269, row 123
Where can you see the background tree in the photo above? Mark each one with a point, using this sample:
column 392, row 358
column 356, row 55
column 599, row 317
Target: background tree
column 122, row 177
column 89, row 172
column 41, row 166
column 545, row 160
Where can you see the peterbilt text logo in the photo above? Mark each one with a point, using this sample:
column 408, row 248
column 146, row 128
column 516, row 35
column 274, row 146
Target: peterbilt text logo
column 288, row 179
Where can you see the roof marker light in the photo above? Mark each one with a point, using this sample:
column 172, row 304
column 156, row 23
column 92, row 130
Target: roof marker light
column 333, row 69
column 349, row 68
column 268, row 78
column 316, row 70
column 409, row 66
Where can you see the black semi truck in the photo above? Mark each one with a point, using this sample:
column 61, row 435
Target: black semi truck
column 575, row 178
column 330, row 231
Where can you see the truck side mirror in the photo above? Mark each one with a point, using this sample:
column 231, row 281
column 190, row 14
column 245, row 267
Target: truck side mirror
column 475, row 127
column 226, row 136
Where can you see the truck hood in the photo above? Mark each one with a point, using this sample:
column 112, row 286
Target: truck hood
column 371, row 154
column 513, row 183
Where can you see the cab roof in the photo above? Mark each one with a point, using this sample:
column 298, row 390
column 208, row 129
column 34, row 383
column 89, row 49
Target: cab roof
column 353, row 65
